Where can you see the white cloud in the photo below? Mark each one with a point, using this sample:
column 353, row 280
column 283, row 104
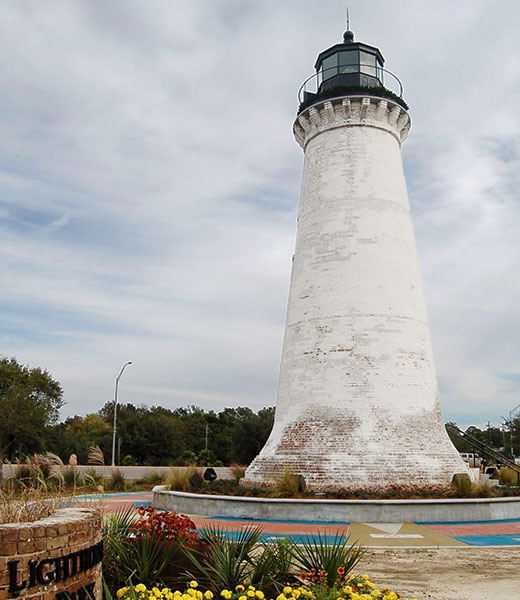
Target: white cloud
column 149, row 184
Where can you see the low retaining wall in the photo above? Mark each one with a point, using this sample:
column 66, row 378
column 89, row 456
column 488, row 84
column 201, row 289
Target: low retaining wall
column 130, row 473
column 341, row 511
column 51, row 557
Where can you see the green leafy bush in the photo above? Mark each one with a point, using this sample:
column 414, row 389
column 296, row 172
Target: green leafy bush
column 117, row 481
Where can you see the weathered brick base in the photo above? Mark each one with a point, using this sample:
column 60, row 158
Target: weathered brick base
column 357, row 397
column 43, row 559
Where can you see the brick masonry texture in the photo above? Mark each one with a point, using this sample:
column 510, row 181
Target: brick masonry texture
column 68, row 530
column 357, row 398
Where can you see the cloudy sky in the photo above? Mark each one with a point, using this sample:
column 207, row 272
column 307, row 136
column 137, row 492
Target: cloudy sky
column 149, row 184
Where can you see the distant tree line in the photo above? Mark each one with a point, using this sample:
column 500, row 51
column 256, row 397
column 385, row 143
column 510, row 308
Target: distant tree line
column 505, row 440
column 160, row 436
column 29, row 407
column 30, row 400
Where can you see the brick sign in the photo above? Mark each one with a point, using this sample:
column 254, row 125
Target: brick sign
column 55, row 558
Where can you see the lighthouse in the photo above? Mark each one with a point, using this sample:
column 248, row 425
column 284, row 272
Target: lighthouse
column 358, row 402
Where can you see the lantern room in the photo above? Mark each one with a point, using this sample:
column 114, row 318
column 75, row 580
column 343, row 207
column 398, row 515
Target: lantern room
column 349, row 64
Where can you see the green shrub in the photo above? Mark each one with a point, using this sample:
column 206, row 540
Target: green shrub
column 92, row 479
column 462, row 486
column 179, row 478
column 507, row 476
column 484, row 490
column 117, row 481
column 155, row 478
column 286, row 485
column 237, row 471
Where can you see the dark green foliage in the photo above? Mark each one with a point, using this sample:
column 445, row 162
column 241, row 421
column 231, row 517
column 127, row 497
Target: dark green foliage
column 178, row 436
column 29, row 401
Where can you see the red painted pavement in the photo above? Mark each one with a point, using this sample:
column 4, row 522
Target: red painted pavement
column 476, row 528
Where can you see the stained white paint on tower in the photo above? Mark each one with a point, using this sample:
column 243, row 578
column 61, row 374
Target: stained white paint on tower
column 357, row 400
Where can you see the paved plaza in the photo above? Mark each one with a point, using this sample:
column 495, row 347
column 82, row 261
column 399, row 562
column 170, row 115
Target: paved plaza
column 370, row 535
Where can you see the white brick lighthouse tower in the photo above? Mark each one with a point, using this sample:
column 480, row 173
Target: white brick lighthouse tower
column 357, row 398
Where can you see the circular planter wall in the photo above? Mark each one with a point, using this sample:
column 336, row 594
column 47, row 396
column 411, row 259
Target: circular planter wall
column 341, row 511
column 52, row 557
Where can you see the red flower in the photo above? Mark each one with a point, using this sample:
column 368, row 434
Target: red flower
column 341, row 571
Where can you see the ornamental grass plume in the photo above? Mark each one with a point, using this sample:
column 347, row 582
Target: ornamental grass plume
column 27, row 506
column 507, row 476
column 179, row 478
column 286, row 485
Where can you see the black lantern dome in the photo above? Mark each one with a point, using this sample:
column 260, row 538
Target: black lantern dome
column 349, row 64
column 350, row 68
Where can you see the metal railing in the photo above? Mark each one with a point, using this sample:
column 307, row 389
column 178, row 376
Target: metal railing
column 485, row 450
column 313, row 83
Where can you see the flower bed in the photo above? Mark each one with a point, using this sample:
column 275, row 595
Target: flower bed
column 352, row 588
column 163, row 551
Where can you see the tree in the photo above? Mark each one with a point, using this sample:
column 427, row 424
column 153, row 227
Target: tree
column 30, row 400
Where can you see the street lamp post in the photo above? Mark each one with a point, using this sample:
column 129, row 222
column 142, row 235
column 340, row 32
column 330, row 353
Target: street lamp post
column 511, row 413
column 115, row 414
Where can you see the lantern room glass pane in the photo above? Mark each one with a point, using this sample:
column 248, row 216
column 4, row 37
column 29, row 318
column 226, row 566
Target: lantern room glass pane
column 349, row 62
column 367, row 63
column 330, row 67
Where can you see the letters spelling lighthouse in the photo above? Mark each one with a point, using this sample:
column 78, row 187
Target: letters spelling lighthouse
column 357, row 398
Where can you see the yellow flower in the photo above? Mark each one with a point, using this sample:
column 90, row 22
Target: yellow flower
column 208, row 595
column 296, row 594
column 260, row 595
column 240, row 588
column 191, row 592
column 226, row 594
column 251, row 587
column 376, row 594
column 281, row 597
column 193, row 584
column 287, row 590
column 250, row 593
column 140, row 587
column 121, row 592
column 242, row 598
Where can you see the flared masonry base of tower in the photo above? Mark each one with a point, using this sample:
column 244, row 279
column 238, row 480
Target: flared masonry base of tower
column 357, row 401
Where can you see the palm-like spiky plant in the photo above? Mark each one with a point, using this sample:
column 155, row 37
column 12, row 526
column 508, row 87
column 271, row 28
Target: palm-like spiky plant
column 323, row 553
column 226, row 562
